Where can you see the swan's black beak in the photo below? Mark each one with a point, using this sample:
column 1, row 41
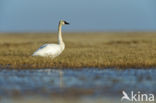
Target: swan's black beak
column 66, row 22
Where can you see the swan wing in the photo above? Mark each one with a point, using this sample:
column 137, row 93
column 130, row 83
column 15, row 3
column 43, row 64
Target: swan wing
column 48, row 50
column 43, row 46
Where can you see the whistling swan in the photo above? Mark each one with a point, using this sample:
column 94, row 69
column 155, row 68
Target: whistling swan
column 52, row 50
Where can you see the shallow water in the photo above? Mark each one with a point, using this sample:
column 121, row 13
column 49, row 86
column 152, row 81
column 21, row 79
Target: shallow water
column 82, row 83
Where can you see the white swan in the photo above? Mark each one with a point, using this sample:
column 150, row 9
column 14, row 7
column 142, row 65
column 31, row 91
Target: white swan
column 52, row 50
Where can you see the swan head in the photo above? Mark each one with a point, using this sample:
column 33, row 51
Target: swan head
column 62, row 22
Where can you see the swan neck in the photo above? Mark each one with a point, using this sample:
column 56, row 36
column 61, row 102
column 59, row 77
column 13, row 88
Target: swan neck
column 60, row 40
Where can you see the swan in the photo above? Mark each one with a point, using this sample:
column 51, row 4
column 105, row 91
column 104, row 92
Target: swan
column 52, row 50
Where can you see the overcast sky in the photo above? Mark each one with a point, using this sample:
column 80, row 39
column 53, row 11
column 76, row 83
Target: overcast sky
column 83, row 15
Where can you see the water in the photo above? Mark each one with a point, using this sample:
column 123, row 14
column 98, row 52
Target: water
column 82, row 83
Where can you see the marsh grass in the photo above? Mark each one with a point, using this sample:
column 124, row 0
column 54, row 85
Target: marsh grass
column 96, row 49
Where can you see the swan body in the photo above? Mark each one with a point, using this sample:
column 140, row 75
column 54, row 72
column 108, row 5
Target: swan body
column 52, row 50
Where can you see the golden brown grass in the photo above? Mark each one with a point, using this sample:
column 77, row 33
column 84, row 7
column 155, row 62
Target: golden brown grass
column 101, row 50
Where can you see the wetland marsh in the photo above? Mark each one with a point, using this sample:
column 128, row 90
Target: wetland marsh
column 92, row 68
column 103, row 50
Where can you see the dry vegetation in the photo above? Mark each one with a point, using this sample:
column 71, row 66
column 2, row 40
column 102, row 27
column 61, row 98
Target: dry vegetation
column 101, row 50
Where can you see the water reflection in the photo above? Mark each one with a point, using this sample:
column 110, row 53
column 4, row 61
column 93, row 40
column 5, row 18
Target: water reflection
column 61, row 78
column 94, row 82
